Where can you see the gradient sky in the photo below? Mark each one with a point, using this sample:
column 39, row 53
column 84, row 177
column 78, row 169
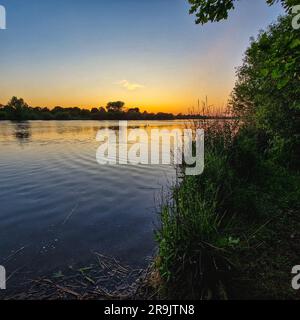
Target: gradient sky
column 149, row 54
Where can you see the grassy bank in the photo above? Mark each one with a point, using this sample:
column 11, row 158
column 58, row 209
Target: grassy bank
column 231, row 232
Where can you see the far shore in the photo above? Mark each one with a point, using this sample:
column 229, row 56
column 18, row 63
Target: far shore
column 18, row 110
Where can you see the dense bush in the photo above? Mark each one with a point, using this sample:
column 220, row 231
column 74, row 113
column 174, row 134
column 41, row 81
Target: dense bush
column 267, row 92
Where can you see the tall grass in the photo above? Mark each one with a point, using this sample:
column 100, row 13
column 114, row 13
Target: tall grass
column 195, row 237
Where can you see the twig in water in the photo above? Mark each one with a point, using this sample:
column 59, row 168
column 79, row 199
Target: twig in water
column 13, row 254
column 70, row 214
column 13, row 273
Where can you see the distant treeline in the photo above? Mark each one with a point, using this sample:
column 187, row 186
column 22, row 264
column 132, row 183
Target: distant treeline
column 18, row 110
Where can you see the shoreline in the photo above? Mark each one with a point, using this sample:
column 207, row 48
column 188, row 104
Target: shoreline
column 100, row 120
column 104, row 278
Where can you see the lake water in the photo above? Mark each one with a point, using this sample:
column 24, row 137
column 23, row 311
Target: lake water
column 58, row 205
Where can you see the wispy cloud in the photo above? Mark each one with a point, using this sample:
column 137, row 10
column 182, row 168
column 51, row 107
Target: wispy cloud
column 130, row 85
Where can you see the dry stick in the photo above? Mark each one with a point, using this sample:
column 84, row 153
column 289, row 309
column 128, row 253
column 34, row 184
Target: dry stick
column 108, row 264
column 66, row 290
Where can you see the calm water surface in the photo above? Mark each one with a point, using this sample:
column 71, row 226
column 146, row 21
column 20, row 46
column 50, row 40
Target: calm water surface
column 58, row 205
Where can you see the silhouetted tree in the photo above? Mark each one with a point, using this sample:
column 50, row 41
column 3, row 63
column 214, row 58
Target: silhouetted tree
column 18, row 108
column 134, row 110
column 116, row 106
column 94, row 110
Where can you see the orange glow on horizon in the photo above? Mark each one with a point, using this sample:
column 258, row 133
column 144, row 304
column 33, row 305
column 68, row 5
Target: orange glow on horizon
column 184, row 107
column 165, row 103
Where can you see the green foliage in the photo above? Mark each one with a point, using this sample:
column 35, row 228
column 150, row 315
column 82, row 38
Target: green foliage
column 216, row 10
column 210, row 10
column 266, row 94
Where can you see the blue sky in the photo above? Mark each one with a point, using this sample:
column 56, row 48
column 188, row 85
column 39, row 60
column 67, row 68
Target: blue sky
column 148, row 53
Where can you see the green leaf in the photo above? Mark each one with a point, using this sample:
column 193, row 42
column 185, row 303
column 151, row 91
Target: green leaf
column 276, row 74
column 264, row 72
column 295, row 43
column 282, row 83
